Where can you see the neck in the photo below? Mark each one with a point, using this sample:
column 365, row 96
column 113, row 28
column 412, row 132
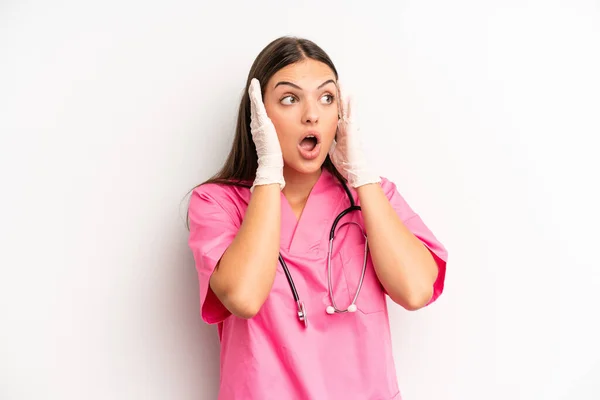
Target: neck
column 298, row 185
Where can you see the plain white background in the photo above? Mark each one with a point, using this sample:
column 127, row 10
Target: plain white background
column 485, row 114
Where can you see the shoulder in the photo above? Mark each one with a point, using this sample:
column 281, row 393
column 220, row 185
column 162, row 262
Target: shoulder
column 228, row 197
column 387, row 184
column 218, row 189
column 396, row 199
column 389, row 187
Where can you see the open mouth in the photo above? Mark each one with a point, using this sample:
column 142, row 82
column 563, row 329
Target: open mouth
column 309, row 142
column 310, row 146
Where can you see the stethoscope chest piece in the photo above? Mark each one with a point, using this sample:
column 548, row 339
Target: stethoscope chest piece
column 302, row 313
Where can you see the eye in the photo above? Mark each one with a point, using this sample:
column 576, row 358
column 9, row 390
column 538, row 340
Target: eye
column 328, row 98
column 288, row 100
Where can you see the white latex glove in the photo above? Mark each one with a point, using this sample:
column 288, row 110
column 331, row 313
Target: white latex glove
column 345, row 152
column 268, row 150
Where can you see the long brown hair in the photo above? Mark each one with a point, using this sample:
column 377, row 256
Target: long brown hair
column 240, row 166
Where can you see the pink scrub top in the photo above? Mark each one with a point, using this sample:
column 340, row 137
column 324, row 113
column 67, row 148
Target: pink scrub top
column 272, row 355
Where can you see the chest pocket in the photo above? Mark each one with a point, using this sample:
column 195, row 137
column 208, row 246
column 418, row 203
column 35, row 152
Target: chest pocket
column 371, row 298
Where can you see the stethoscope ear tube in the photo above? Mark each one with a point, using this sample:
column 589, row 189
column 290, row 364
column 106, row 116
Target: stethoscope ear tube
column 333, row 308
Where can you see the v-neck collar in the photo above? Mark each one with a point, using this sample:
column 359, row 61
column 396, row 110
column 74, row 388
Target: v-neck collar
column 305, row 234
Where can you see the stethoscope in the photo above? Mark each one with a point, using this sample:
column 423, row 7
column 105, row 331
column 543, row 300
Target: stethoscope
column 333, row 308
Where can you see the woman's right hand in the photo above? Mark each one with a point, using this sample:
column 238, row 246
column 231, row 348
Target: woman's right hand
column 264, row 135
column 244, row 276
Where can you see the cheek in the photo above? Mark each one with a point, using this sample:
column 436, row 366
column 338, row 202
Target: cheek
column 282, row 120
column 276, row 116
column 330, row 122
column 281, row 124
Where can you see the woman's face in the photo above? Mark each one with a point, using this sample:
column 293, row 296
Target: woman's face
column 301, row 100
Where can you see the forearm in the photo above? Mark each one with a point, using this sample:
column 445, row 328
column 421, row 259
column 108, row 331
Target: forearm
column 244, row 276
column 403, row 264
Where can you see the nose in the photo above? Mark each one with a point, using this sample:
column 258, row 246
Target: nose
column 311, row 114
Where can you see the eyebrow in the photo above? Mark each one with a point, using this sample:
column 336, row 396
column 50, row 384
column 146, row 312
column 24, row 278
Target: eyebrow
column 299, row 88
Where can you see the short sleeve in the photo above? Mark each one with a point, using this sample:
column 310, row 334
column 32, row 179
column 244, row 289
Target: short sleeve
column 414, row 223
column 213, row 227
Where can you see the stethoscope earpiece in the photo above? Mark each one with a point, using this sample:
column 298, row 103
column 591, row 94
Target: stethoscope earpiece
column 331, row 309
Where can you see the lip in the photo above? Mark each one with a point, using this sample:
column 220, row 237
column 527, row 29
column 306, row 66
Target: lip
column 312, row 154
column 316, row 134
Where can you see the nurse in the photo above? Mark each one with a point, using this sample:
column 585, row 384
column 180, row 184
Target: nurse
column 296, row 147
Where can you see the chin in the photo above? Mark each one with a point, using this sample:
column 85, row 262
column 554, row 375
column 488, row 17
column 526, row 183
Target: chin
column 307, row 167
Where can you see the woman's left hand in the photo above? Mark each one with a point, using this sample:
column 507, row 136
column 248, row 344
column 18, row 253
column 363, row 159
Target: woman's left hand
column 346, row 153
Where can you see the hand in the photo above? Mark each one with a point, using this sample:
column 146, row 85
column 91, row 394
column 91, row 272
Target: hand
column 268, row 150
column 345, row 152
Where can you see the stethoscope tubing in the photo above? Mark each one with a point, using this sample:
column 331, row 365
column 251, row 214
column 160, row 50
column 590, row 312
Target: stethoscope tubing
column 299, row 304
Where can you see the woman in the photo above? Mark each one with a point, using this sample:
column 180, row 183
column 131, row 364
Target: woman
column 295, row 165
